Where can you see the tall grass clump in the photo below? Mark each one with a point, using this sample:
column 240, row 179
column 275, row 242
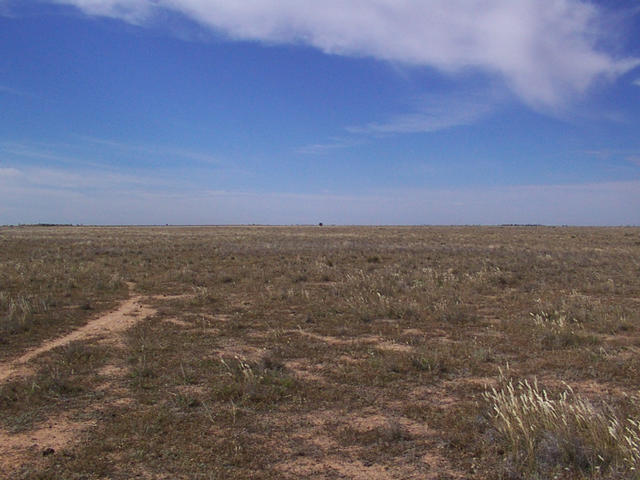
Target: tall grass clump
column 545, row 433
column 16, row 313
column 556, row 331
column 264, row 382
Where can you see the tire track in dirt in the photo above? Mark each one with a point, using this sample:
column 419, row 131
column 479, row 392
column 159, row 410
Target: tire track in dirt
column 60, row 430
column 105, row 329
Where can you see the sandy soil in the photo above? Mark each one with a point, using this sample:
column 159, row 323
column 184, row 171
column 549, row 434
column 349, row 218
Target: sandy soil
column 58, row 432
column 104, row 329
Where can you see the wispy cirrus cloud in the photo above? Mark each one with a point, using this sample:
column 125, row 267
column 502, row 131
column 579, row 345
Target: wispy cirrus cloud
column 78, row 179
column 434, row 113
column 331, row 145
column 431, row 113
column 35, row 152
column 76, row 167
column 76, row 152
column 546, row 54
column 154, row 150
column 630, row 156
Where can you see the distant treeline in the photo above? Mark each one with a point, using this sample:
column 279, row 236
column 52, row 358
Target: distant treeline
column 46, row 225
column 521, row 225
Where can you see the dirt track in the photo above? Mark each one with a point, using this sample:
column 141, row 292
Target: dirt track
column 58, row 431
column 104, row 328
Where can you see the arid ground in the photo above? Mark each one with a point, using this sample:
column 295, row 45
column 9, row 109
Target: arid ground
column 319, row 352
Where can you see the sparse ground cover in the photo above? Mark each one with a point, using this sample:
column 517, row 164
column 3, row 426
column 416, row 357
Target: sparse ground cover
column 319, row 352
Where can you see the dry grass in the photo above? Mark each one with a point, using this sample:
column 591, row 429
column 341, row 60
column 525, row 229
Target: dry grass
column 307, row 352
column 548, row 434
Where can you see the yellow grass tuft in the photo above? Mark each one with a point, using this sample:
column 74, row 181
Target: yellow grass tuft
column 563, row 431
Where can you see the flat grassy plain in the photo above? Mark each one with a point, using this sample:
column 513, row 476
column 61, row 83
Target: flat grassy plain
column 319, row 352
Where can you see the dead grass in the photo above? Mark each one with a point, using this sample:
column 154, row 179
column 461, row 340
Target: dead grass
column 548, row 434
column 324, row 353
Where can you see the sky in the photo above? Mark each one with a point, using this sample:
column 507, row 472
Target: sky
column 404, row 112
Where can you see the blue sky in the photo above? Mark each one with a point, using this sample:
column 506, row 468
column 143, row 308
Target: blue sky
column 346, row 112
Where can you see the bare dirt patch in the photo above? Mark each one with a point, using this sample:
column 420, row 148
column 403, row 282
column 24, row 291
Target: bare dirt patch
column 305, row 370
column 234, row 348
column 61, row 431
column 46, row 439
column 178, row 322
column 331, row 340
column 322, row 452
column 104, row 329
column 394, row 347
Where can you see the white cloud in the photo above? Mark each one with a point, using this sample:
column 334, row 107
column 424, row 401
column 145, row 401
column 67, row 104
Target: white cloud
column 76, row 152
column 133, row 11
column 331, row 145
column 637, row 82
column 12, row 149
column 434, row 112
column 78, row 179
column 154, row 150
column 545, row 51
